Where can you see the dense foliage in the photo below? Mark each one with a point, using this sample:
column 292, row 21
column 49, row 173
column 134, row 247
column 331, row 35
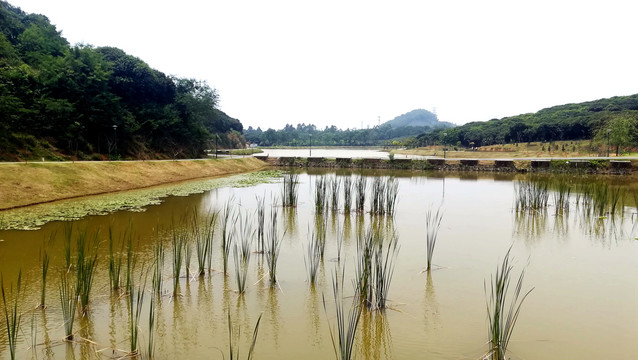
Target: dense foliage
column 401, row 129
column 418, row 118
column 565, row 122
column 88, row 102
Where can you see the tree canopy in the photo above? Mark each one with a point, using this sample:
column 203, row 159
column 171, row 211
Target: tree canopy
column 86, row 101
column 564, row 122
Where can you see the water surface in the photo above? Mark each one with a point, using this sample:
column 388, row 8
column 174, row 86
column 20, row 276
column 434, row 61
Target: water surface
column 582, row 270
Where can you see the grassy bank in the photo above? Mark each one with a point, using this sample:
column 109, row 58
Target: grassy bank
column 27, row 184
column 580, row 148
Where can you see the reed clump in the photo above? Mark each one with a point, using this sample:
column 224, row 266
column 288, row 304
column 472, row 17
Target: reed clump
column 45, row 260
column 86, row 265
column 375, row 266
column 360, row 186
column 68, row 302
column 503, row 311
column 234, row 351
column 12, row 315
column 335, row 186
column 320, row 195
column 531, row 195
column 432, row 225
column 343, row 337
column 228, row 232
column 273, row 247
column 289, row 193
column 347, row 194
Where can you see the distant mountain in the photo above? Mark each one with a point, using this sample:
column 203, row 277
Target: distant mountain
column 418, row 118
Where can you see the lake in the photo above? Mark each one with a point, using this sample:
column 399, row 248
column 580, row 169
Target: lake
column 578, row 253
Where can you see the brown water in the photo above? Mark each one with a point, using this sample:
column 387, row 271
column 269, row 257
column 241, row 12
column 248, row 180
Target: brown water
column 583, row 270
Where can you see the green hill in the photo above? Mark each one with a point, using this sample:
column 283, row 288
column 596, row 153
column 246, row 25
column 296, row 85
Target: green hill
column 578, row 121
column 417, row 118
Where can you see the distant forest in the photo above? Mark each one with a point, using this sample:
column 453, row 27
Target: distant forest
column 616, row 117
column 93, row 103
column 399, row 131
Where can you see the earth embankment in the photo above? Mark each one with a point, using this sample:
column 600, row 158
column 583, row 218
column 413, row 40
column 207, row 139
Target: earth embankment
column 23, row 184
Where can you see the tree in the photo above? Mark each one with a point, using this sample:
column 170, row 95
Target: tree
column 619, row 131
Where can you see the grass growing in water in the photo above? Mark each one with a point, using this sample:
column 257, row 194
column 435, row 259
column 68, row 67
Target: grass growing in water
column 115, row 264
column 86, row 266
column 313, row 258
column 228, row 230
column 344, row 336
column 135, row 302
column 502, row 312
column 432, row 225
column 261, row 223
column 11, row 315
column 68, row 302
column 45, row 259
column 234, row 352
column 335, row 185
column 531, row 195
column 179, row 238
column 273, row 246
column 347, row 194
column 320, row 195
column 360, row 186
column 290, row 189
column 204, row 242
column 241, row 267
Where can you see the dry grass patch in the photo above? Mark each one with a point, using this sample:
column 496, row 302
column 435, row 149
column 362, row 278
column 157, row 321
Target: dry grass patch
column 27, row 184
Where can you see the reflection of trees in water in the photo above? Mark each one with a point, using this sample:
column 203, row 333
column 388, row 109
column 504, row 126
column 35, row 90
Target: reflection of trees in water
column 374, row 341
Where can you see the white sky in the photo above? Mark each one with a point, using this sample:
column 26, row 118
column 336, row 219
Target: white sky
column 349, row 62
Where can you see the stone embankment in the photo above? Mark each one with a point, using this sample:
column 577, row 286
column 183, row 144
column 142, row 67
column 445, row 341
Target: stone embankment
column 554, row 166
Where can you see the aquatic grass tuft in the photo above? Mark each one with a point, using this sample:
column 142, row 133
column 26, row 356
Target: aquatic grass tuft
column 261, row 223
column 391, row 194
column 347, row 194
column 312, row 258
column 234, row 352
column 115, row 263
column 228, row 230
column 320, row 195
column 179, row 238
column 343, row 338
column 68, row 302
column 273, row 247
column 335, row 185
column 383, row 267
column 241, row 267
column 204, row 242
column 45, row 260
column 158, row 268
column 290, row 190
column 12, row 316
column 432, row 225
column 531, row 195
column 502, row 312
column 86, row 264
column 135, row 302
column 360, row 186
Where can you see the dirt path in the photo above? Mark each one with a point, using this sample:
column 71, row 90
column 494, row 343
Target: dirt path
column 34, row 183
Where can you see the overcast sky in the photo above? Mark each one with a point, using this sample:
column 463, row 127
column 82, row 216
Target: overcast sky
column 349, row 63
